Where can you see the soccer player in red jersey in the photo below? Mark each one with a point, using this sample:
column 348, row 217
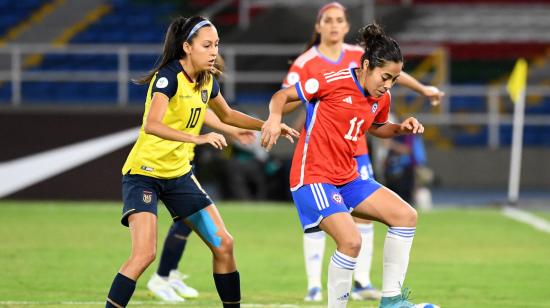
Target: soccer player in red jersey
column 326, row 187
column 326, row 51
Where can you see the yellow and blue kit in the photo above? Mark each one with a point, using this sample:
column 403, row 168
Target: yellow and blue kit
column 160, row 169
column 167, row 159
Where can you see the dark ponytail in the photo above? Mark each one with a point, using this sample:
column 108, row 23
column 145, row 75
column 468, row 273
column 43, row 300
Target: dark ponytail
column 379, row 47
column 178, row 33
column 314, row 40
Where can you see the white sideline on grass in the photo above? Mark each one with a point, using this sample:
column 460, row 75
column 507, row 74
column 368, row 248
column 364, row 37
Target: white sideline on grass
column 152, row 303
column 528, row 218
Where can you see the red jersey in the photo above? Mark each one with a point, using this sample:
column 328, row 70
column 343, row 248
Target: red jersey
column 312, row 62
column 338, row 115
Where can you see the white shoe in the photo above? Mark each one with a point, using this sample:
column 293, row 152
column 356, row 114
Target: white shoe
column 161, row 289
column 176, row 282
column 365, row 293
column 314, row 295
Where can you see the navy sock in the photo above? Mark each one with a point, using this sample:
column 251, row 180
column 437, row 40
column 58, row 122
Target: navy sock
column 121, row 291
column 229, row 289
column 174, row 245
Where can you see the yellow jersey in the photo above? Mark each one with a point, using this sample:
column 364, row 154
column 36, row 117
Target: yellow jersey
column 166, row 159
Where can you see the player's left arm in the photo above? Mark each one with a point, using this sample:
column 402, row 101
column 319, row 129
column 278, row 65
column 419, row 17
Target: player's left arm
column 231, row 116
column 272, row 127
column 433, row 93
column 389, row 130
column 244, row 136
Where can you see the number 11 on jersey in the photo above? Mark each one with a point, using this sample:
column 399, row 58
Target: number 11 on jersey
column 353, row 127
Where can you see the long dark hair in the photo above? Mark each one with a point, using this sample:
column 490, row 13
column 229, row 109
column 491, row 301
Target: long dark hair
column 176, row 35
column 315, row 38
column 379, row 47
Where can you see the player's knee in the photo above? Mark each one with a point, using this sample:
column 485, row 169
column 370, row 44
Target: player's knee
column 403, row 215
column 225, row 249
column 412, row 217
column 144, row 259
column 350, row 245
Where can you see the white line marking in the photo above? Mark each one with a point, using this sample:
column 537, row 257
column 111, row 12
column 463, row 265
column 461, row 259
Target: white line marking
column 528, row 218
column 23, row 172
column 152, row 303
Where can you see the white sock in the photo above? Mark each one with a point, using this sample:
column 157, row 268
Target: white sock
column 340, row 272
column 314, row 248
column 397, row 248
column 364, row 260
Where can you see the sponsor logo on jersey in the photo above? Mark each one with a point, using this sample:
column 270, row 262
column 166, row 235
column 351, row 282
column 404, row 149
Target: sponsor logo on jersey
column 353, row 64
column 312, row 85
column 147, row 197
column 374, row 107
column 204, row 96
column 337, row 197
column 347, row 100
column 148, row 169
column 162, row 83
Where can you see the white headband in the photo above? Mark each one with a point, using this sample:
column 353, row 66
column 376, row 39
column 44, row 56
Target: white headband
column 197, row 27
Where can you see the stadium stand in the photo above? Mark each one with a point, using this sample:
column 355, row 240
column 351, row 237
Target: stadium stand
column 19, row 11
column 476, row 57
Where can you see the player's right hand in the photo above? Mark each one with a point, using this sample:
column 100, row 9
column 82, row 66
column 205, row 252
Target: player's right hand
column 434, row 94
column 289, row 132
column 271, row 130
column 214, row 139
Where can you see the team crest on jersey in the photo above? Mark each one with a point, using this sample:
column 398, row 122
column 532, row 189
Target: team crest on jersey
column 147, row 197
column 204, row 96
column 374, row 107
column 337, row 197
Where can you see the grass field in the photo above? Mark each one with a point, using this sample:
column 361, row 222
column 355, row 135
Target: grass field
column 66, row 254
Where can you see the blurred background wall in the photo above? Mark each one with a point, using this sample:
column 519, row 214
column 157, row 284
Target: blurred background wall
column 66, row 68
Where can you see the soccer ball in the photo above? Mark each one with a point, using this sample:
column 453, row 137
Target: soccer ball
column 426, row 305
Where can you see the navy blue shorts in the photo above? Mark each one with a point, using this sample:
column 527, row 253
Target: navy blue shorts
column 182, row 196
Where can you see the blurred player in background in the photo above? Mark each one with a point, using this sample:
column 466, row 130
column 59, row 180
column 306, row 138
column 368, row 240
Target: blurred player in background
column 325, row 184
column 326, row 51
column 158, row 167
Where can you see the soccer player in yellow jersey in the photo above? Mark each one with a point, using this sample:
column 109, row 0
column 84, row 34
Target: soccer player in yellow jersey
column 167, row 282
column 158, row 167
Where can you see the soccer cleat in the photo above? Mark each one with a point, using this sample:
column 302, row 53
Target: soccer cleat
column 162, row 289
column 365, row 293
column 176, row 282
column 401, row 301
column 314, row 295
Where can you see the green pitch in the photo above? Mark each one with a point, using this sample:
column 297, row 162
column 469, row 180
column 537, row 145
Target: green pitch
column 65, row 254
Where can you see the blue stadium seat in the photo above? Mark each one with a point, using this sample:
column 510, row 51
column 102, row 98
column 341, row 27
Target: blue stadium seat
column 468, row 104
column 128, row 22
column 18, row 11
